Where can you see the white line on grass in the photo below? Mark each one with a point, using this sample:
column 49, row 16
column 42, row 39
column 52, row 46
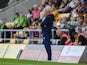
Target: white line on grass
column 9, row 63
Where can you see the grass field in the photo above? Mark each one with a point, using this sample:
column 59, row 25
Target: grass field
column 26, row 62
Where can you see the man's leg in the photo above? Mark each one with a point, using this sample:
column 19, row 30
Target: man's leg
column 48, row 48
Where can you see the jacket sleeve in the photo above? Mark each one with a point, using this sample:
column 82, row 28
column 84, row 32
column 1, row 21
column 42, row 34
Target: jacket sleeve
column 45, row 21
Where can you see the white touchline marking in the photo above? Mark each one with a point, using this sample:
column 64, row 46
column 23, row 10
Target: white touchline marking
column 6, row 63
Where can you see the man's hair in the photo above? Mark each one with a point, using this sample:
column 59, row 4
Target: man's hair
column 49, row 8
column 17, row 13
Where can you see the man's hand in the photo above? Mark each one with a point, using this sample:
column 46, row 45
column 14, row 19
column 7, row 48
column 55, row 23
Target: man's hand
column 45, row 26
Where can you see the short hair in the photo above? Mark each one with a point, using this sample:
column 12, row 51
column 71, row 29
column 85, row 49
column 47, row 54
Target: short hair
column 49, row 8
column 17, row 13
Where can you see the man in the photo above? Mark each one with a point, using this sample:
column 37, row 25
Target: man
column 46, row 25
column 20, row 21
column 64, row 38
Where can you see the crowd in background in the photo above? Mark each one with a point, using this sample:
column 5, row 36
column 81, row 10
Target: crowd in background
column 69, row 14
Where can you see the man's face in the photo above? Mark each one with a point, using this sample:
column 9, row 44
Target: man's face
column 46, row 12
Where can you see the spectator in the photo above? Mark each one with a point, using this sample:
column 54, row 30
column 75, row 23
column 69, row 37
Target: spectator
column 84, row 6
column 4, row 34
column 72, row 21
column 80, row 22
column 36, row 13
column 63, row 4
column 23, row 21
column 79, row 39
column 20, row 21
column 65, row 40
column 55, row 12
column 70, row 6
column 85, row 21
column 29, row 16
column 64, row 23
column 85, row 25
column 17, row 18
column 42, row 11
column 57, row 3
column 50, row 2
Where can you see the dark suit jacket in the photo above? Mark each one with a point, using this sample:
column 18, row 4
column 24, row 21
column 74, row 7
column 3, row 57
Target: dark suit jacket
column 47, row 25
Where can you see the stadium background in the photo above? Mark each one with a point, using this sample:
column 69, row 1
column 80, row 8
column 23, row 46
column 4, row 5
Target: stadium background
column 11, row 10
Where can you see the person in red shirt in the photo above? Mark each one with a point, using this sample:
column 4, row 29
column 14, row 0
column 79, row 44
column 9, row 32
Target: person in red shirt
column 64, row 38
column 36, row 13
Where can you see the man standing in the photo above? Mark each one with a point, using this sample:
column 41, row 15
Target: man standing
column 46, row 25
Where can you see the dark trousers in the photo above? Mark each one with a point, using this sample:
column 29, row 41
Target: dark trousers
column 47, row 45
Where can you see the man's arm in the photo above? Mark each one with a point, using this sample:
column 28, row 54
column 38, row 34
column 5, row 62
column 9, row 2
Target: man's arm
column 45, row 22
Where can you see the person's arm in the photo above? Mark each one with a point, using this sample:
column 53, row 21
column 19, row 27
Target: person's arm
column 63, row 40
column 44, row 23
column 82, row 40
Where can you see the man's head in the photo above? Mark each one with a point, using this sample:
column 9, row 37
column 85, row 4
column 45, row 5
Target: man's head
column 48, row 10
column 17, row 15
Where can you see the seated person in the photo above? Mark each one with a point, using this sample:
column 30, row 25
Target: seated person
column 20, row 21
column 5, row 34
column 65, row 24
column 55, row 12
column 64, row 38
column 79, row 39
column 82, row 7
column 69, row 7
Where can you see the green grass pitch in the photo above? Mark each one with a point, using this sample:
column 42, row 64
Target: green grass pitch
column 27, row 62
